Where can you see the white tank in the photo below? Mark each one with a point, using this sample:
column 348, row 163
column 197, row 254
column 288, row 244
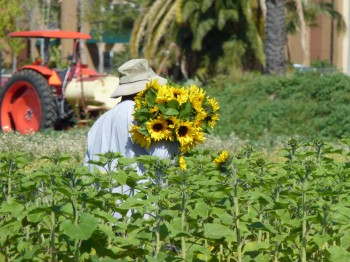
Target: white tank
column 95, row 90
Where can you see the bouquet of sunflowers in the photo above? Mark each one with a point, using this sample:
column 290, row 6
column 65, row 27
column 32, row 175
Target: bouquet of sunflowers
column 174, row 113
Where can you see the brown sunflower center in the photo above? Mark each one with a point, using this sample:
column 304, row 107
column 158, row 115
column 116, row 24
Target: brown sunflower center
column 169, row 122
column 157, row 127
column 183, row 130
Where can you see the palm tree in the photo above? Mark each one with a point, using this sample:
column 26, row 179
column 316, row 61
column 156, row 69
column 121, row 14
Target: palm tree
column 155, row 21
column 301, row 14
column 275, row 37
column 305, row 41
column 203, row 31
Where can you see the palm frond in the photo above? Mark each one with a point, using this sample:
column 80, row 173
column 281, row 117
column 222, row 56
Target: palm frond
column 328, row 9
column 226, row 15
column 160, row 14
column 202, row 30
column 234, row 51
column 253, row 33
column 202, row 71
column 189, row 8
column 161, row 30
column 206, row 4
column 136, row 35
column 159, row 8
column 179, row 10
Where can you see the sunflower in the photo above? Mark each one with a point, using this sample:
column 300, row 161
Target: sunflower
column 136, row 136
column 180, row 94
column 154, row 109
column 196, row 96
column 153, row 84
column 200, row 117
column 172, row 122
column 196, row 113
column 221, row 158
column 186, row 134
column 182, row 163
column 214, row 104
column 157, row 128
column 199, row 136
column 164, row 95
column 212, row 120
column 138, row 104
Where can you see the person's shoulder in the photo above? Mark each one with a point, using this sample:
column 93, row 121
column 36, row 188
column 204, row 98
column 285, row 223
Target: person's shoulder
column 126, row 105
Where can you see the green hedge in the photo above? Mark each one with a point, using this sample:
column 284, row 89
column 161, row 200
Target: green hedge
column 307, row 104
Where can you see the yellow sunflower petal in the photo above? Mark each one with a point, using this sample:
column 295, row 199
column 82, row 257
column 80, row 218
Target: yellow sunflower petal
column 157, row 128
column 139, row 138
column 221, row 158
column 182, row 163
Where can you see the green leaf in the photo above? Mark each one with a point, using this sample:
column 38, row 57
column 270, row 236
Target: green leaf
column 226, row 219
column 173, row 104
column 182, row 234
column 121, row 177
column 83, row 230
column 37, row 214
column 29, row 254
column 161, row 256
column 151, row 96
column 142, row 115
column 185, row 111
column 64, row 191
column 255, row 246
column 171, row 112
column 257, row 225
column 202, row 209
column 125, row 161
column 338, row 254
column 321, row 240
column 216, row 231
column 13, row 207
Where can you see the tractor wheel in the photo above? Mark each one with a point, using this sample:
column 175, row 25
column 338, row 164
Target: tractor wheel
column 27, row 103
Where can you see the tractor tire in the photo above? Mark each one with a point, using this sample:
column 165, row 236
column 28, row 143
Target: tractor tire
column 27, row 103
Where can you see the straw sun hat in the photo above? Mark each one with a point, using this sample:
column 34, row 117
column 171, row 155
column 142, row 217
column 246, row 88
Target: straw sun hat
column 137, row 73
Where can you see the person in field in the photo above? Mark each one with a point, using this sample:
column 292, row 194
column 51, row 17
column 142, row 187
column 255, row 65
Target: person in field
column 110, row 133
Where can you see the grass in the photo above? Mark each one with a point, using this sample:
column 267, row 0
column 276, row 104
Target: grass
column 46, row 143
column 73, row 142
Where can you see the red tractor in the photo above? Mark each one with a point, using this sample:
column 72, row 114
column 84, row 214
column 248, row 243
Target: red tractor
column 37, row 96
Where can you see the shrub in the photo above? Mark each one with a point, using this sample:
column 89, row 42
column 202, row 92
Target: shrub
column 307, row 104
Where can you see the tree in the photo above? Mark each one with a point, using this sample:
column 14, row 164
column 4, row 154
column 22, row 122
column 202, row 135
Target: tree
column 209, row 36
column 109, row 18
column 275, row 37
column 12, row 18
column 302, row 14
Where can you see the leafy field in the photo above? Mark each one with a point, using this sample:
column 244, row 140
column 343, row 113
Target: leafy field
column 242, row 208
column 73, row 142
column 281, row 195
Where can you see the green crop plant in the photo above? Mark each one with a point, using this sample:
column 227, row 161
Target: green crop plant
column 208, row 206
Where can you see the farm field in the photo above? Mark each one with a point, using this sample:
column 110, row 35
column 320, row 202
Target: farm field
column 288, row 205
column 269, row 195
column 73, row 142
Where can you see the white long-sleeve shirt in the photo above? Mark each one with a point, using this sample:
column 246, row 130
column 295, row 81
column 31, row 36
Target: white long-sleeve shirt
column 110, row 133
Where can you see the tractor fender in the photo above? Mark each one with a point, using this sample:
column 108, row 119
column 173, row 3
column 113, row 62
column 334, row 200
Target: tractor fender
column 51, row 75
column 43, row 70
